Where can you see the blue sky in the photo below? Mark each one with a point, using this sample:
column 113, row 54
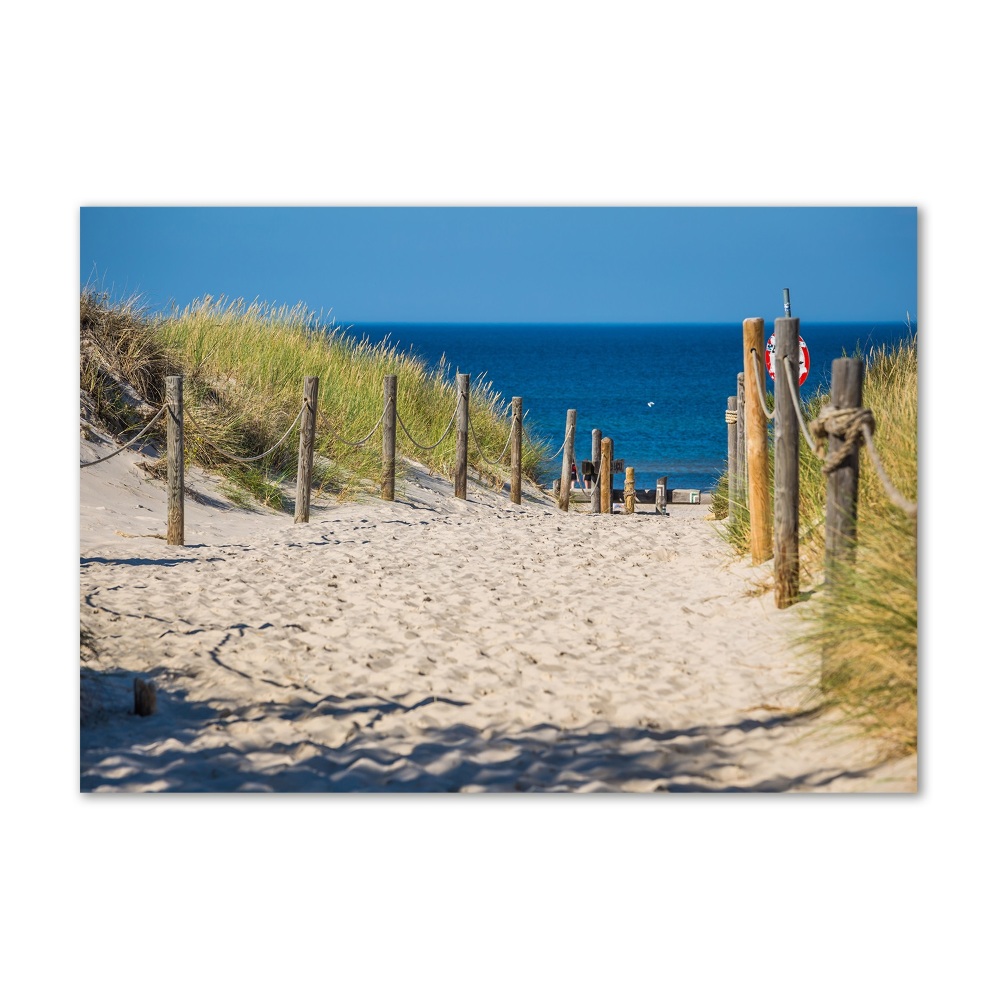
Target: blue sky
column 514, row 264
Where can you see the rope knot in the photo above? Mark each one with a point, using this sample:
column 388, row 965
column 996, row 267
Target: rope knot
column 843, row 422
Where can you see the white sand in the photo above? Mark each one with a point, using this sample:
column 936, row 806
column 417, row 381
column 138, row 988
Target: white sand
column 433, row 644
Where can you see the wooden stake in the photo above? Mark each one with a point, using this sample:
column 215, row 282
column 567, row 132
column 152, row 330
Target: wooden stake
column 786, row 464
column 605, row 475
column 741, row 440
column 846, row 392
column 307, row 439
column 758, row 464
column 630, row 490
column 515, row 452
column 565, row 484
column 462, row 435
column 731, row 462
column 595, row 457
column 175, row 459
column 144, row 697
column 389, row 438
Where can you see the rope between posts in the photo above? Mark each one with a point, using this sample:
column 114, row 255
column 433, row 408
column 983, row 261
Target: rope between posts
column 852, row 424
column 755, row 368
column 252, row 458
column 428, row 447
column 366, row 438
column 97, row 461
column 793, row 385
column 475, row 440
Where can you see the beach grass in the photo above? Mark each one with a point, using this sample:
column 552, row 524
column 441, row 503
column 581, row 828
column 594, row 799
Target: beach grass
column 244, row 367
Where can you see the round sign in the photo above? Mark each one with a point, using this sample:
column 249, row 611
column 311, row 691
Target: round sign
column 803, row 358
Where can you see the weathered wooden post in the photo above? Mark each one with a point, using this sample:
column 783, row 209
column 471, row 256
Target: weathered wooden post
column 758, row 491
column 143, row 696
column 846, row 389
column 565, row 484
column 307, row 440
column 462, row 435
column 629, row 495
column 741, row 439
column 786, row 463
column 606, row 475
column 175, row 459
column 515, row 451
column 731, row 460
column 389, row 389
column 595, row 483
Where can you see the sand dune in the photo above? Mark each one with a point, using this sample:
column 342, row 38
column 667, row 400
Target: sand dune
column 434, row 644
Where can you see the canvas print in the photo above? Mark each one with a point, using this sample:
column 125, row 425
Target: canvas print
column 498, row 499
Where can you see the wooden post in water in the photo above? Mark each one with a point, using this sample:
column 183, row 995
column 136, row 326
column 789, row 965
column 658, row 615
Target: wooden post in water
column 595, row 483
column 741, row 440
column 389, row 438
column 566, row 483
column 462, row 435
column 786, row 462
column 175, row 459
column 605, row 475
column 515, row 451
column 846, row 388
column 307, row 440
column 629, row 490
column 731, row 461
column 758, row 474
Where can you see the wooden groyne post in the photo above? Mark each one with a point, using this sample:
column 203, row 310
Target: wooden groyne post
column 786, row 463
column 462, row 439
column 307, row 440
column 565, row 484
column 846, row 390
column 595, row 482
column 758, row 465
column 515, row 450
column 175, row 459
column 389, row 438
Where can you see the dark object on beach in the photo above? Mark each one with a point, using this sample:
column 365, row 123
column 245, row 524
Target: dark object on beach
column 145, row 697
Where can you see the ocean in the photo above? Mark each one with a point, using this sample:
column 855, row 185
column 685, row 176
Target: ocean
column 659, row 390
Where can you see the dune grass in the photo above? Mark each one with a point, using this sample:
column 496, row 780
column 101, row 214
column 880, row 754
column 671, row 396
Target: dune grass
column 243, row 368
column 861, row 621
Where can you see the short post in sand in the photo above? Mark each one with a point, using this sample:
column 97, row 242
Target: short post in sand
column 731, row 460
column 846, row 388
column 758, row 491
column 307, row 440
column 175, row 459
column 630, row 490
column 462, row 443
column 606, row 445
column 595, row 458
column 143, row 697
column 389, row 437
column 741, row 440
column 565, row 484
column 786, row 463
column 515, row 451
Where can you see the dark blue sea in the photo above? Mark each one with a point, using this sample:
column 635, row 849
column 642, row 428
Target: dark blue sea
column 611, row 374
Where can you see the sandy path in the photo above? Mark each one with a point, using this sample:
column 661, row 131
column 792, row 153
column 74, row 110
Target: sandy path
column 438, row 645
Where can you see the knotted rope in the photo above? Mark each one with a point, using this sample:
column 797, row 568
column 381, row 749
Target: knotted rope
column 755, row 368
column 731, row 416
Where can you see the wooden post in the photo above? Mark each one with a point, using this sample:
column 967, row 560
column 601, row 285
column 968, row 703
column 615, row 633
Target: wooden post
column 758, row 475
column 731, row 462
column 630, row 490
column 846, row 388
column 143, row 696
column 175, row 459
column 307, row 439
column 462, row 435
column 515, row 451
column 741, row 440
column 786, row 463
column 565, row 483
column 595, row 483
column 389, row 438
column 605, row 475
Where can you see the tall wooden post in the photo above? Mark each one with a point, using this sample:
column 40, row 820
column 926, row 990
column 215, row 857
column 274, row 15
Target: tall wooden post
column 629, row 495
column 758, row 474
column 786, row 463
column 389, row 438
column 605, row 475
column 462, row 435
column 731, row 461
column 307, row 440
column 595, row 483
column 741, row 439
column 175, row 459
column 515, row 451
column 846, row 389
column 566, row 483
